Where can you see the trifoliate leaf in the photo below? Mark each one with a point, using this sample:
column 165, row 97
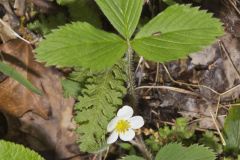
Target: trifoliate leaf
column 176, row 32
column 132, row 158
column 232, row 129
column 11, row 151
column 11, row 72
column 81, row 45
column 176, row 151
column 123, row 14
column 97, row 106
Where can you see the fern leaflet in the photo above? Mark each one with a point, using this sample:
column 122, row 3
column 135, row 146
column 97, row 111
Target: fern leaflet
column 97, row 106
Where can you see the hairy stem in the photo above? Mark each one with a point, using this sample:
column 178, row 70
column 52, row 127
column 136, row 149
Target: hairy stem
column 142, row 147
column 130, row 76
column 139, row 143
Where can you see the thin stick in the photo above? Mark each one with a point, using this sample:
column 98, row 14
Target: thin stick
column 222, row 46
column 217, row 108
column 139, row 63
column 231, row 89
column 157, row 74
column 218, row 130
column 199, row 85
column 234, row 6
column 234, row 104
column 187, row 84
column 180, row 90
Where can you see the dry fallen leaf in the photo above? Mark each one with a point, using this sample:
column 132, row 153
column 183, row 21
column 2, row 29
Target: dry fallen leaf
column 15, row 99
column 6, row 33
column 46, row 121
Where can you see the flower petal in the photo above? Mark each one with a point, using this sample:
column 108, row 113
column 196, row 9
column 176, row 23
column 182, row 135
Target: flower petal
column 127, row 136
column 112, row 138
column 125, row 112
column 112, row 124
column 136, row 122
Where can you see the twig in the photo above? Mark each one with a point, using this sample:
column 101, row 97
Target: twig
column 157, row 74
column 218, row 130
column 199, row 85
column 234, row 104
column 217, row 108
column 7, row 33
column 234, row 6
column 139, row 63
column 180, row 90
column 223, row 48
column 230, row 90
column 187, row 84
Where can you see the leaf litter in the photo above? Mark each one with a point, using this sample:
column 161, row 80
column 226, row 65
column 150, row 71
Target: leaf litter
column 46, row 121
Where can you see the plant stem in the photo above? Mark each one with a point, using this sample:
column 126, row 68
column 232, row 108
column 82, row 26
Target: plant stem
column 139, row 143
column 130, row 76
column 142, row 147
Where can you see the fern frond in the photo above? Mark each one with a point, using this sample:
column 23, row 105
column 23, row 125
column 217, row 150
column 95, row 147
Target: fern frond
column 97, row 106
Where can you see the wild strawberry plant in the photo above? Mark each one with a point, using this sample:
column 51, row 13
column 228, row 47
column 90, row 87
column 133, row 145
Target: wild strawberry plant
column 172, row 34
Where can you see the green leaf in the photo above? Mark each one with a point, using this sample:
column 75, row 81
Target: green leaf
column 11, row 151
column 178, row 132
column 132, row 157
column 209, row 139
column 176, row 32
column 176, row 151
column 11, row 72
column 125, row 146
column 97, row 105
column 124, row 15
column 71, row 88
column 232, row 129
column 81, row 45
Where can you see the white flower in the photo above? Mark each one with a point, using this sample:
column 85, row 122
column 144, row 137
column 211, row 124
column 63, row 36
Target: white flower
column 123, row 125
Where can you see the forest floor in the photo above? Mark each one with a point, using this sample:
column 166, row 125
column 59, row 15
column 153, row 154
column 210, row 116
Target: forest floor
column 200, row 88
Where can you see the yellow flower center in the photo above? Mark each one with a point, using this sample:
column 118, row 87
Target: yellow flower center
column 122, row 126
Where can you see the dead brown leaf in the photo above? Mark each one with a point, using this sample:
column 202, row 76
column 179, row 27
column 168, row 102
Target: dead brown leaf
column 45, row 121
column 15, row 99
